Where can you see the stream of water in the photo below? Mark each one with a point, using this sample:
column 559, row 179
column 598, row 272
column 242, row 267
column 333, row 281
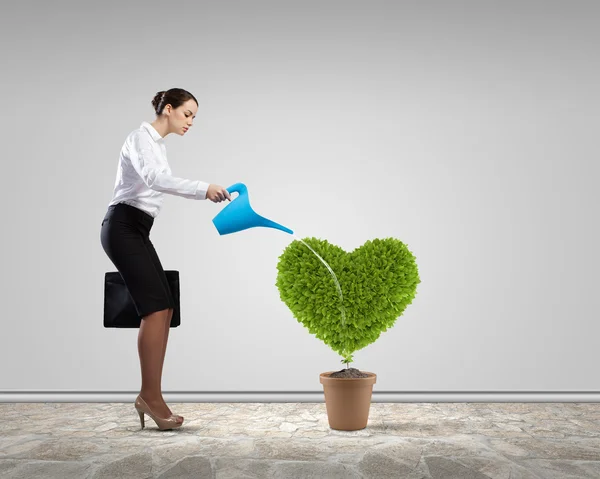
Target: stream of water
column 337, row 283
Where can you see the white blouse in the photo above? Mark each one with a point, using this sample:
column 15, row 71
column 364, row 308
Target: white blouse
column 144, row 175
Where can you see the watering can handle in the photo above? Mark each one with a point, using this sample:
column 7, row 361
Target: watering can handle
column 238, row 188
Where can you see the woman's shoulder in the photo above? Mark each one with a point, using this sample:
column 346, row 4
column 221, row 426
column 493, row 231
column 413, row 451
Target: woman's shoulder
column 137, row 136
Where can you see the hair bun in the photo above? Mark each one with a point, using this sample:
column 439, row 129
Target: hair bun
column 157, row 99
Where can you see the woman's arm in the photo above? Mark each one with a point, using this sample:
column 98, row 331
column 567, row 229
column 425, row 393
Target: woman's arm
column 154, row 172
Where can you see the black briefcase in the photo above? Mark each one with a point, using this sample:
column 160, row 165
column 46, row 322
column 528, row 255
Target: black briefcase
column 119, row 310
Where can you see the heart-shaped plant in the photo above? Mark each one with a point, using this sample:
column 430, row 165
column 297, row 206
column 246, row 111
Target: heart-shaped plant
column 378, row 281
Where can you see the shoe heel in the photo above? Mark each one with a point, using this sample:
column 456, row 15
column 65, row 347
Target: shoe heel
column 162, row 423
column 141, row 413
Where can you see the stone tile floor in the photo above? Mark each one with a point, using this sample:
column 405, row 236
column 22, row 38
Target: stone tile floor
column 293, row 440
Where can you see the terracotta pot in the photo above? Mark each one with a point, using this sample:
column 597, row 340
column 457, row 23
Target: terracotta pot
column 348, row 400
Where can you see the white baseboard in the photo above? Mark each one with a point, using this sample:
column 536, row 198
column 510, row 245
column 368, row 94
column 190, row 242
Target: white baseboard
column 15, row 396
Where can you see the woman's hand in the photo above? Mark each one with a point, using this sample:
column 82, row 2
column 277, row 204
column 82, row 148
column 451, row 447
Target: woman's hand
column 217, row 193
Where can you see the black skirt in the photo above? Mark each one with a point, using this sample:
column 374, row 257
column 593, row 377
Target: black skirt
column 125, row 237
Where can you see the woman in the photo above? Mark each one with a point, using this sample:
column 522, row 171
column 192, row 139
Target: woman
column 143, row 177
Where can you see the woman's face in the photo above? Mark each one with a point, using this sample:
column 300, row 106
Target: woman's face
column 181, row 119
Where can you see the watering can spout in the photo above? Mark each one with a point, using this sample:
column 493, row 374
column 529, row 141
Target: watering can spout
column 271, row 224
column 239, row 215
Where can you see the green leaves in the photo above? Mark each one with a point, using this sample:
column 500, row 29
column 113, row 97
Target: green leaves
column 378, row 281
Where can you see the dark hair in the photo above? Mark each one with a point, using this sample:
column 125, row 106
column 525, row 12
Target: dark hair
column 175, row 97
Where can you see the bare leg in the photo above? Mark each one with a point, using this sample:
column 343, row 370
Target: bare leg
column 164, row 349
column 151, row 347
column 167, row 328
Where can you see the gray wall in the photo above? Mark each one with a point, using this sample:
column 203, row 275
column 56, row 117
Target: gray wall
column 464, row 129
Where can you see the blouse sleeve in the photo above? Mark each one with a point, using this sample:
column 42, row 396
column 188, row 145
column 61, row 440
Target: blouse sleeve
column 154, row 173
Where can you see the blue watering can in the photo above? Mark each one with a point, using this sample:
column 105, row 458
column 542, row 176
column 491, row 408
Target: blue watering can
column 239, row 215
